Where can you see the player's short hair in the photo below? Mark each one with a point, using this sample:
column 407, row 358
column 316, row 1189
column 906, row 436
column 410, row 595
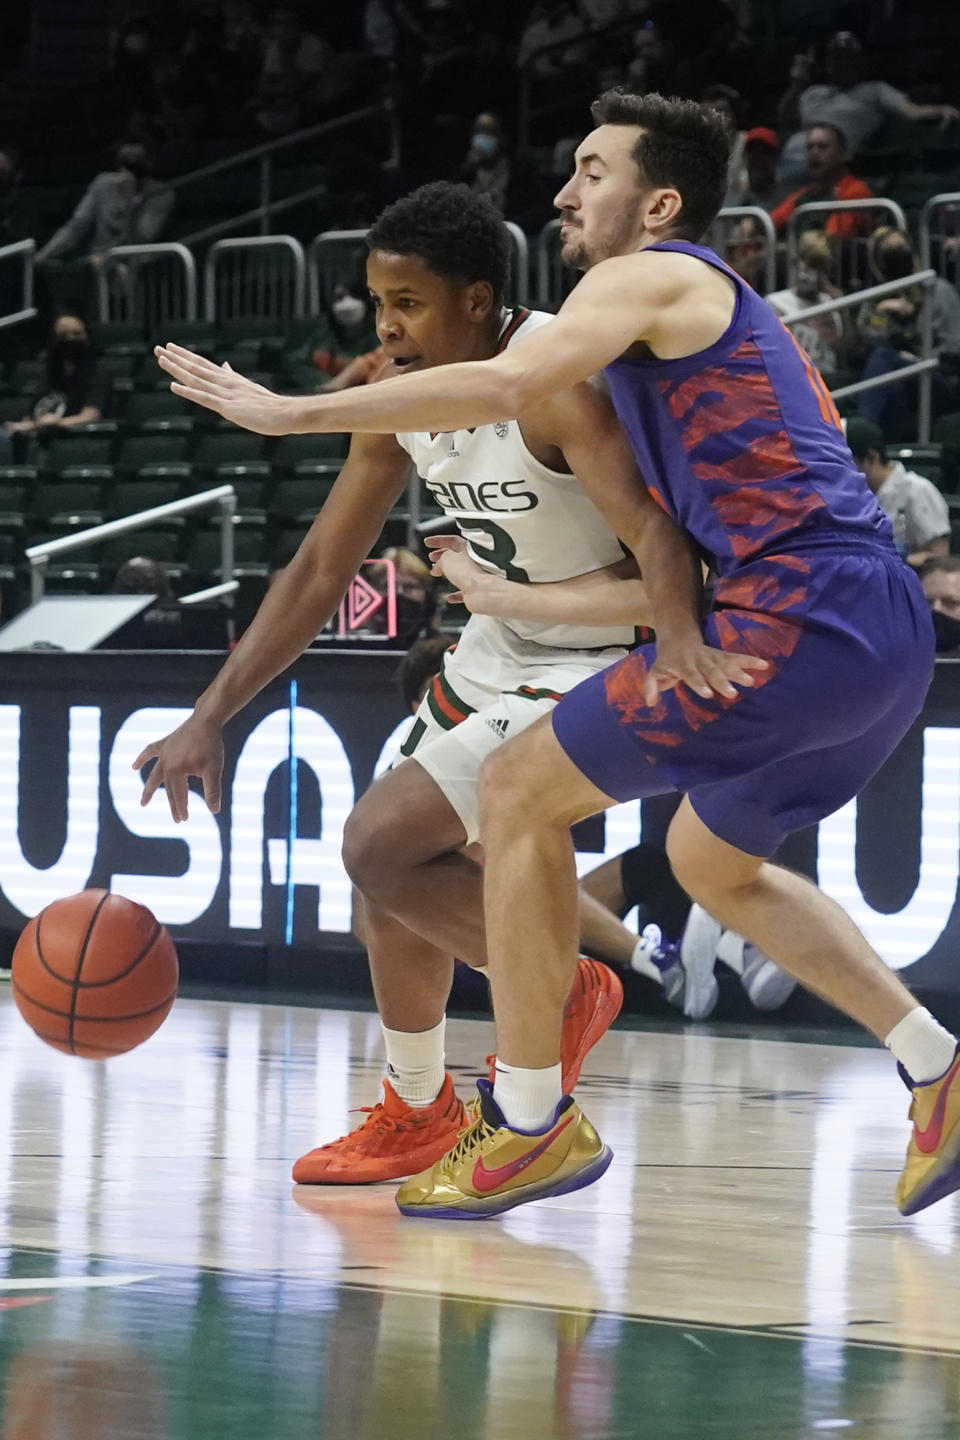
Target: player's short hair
column 421, row 662
column 458, row 234
column 835, row 130
column 935, row 563
column 682, row 145
column 863, row 436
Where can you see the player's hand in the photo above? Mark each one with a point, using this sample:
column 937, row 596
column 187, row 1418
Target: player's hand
column 705, row 671
column 449, row 558
column 217, row 387
column 194, row 748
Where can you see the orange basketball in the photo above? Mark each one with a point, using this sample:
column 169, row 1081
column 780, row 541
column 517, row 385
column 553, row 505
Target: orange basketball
column 94, row 974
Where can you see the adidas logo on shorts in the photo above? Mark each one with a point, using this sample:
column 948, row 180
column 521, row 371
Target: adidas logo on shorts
column 499, row 726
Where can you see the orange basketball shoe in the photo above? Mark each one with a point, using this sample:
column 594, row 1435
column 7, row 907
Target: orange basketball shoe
column 592, row 1006
column 395, row 1140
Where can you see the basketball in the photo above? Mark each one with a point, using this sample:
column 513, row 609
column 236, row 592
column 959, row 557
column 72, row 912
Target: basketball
column 94, row 974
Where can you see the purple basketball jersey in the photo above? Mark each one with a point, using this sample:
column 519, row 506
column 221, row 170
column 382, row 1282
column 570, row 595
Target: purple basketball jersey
column 741, row 443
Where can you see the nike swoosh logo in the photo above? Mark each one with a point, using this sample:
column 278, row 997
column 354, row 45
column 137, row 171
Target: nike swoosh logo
column 485, row 1180
column 928, row 1139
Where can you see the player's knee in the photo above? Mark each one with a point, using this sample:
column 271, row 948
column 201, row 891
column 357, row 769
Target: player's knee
column 371, row 849
column 503, row 788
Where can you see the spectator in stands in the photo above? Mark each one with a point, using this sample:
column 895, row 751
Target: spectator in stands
column 829, row 179
column 826, row 338
column 940, row 577
column 142, row 576
column 727, row 101
column 329, row 344
column 299, row 75
column 551, row 24
column 761, row 150
column 652, row 65
column 487, row 166
column 891, row 330
column 72, row 392
column 10, row 174
column 414, row 591
column 917, row 510
column 390, row 29
column 858, row 107
column 121, row 207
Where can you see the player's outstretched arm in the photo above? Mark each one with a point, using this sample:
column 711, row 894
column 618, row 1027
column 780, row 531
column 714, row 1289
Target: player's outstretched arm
column 614, row 595
column 293, row 612
column 616, row 303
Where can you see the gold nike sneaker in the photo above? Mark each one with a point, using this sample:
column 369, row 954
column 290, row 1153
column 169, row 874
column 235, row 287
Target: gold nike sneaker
column 492, row 1168
column 932, row 1168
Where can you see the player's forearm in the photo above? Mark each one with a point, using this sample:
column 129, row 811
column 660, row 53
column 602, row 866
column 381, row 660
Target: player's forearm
column 293, row 612
column 673, row 577
column 445, row 398
column 600, row 598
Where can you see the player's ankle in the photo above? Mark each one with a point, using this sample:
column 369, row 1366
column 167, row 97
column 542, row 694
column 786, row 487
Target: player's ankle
column 923, row 1047
column 415, row 1063
column 527, row 1099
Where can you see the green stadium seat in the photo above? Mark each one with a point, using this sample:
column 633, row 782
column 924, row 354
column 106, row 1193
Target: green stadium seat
column 926, row 460
column 298, row 499
column 144, row 405
column 295, row 450
column 140, row 450
column 227, row 447
column 68, row 505
column 9, row 549
column 131, row 496
column 159, row 545
column 202, row 554
column 80, row 449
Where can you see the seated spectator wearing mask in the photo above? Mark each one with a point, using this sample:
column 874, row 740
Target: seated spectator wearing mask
column 826, row 338
column 890, row 327
column 940, row 578
column 829, row 179
column 325, row 346
column 486, row 168
column 121, row 207
column 71, row 393
column 910, row 500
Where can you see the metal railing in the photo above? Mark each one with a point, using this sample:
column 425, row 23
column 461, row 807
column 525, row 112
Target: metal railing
column 850, row 255
column 946, row 261
column 554, row 280
column 267, row 279
column 329, row 256
column 27, row 311
column 132, row 289
column 39, row 556
column 259, row 161
column 724, row 245
column 923, row 367
column 333, row 253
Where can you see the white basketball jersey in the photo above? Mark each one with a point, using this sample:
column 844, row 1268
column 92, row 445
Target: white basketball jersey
column 517, row 516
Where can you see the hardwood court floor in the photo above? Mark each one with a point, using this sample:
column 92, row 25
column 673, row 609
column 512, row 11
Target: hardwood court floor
column 739, row 1272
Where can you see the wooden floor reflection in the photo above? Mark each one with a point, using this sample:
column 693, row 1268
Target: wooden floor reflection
column 740, row 1271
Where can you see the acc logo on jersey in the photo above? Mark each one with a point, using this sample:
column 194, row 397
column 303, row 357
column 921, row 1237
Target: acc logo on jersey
column 500, row 428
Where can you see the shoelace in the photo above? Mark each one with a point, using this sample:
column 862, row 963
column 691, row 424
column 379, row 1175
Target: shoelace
column 470, row 1140
column 377, row 1119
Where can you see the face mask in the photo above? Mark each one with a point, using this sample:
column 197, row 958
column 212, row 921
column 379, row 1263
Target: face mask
column 485, row 145
column 70, row 347
column 946, row 629
column 896, row 262
column 349, row 311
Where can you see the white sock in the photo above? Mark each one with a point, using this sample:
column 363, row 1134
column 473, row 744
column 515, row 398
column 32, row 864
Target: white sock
column 923, row 1047
column 415, row 1063
column 528, row 1098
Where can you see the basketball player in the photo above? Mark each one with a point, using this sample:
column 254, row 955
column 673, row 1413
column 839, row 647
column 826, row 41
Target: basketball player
column 743, row 453
column 520, row 493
